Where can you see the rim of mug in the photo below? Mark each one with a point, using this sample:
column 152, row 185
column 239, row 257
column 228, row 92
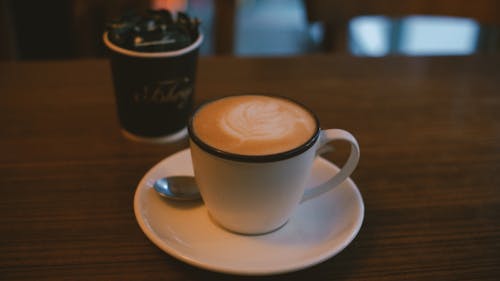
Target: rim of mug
column 167, row 54
column 254, row 158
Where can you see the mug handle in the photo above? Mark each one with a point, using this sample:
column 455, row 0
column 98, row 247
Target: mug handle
column 326, row 137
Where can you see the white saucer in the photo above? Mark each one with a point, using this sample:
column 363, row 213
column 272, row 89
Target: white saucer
column 159, row 140
column 317, row 230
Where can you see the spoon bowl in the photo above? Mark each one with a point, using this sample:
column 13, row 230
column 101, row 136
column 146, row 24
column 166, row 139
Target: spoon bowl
column 182, row 188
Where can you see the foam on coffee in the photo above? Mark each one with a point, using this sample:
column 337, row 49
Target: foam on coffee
column 254, row 124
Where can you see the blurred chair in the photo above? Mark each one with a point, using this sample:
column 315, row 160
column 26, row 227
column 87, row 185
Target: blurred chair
column 335, row 16
column 224, row 23
column 8, row 48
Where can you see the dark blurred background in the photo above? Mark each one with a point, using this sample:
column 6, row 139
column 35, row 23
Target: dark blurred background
column 66, row 29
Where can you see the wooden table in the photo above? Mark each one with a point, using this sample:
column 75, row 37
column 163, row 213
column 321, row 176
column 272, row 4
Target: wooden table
column 429, row 131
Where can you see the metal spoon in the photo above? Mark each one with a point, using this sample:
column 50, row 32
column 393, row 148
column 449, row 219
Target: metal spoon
column 177, row 188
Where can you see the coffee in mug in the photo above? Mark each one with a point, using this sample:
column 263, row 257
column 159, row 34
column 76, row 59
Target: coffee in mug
column 254, row 125
column 252, row 155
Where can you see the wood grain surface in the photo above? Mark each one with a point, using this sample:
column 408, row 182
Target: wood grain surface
column 429, row 131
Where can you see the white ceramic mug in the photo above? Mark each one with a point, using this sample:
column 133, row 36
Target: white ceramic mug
column 257, row 194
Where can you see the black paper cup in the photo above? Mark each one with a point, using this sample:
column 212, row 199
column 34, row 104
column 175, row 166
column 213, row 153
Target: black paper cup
column 154, row 91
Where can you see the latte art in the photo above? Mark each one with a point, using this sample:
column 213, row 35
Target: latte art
column 257, row 120
column 254, row 125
